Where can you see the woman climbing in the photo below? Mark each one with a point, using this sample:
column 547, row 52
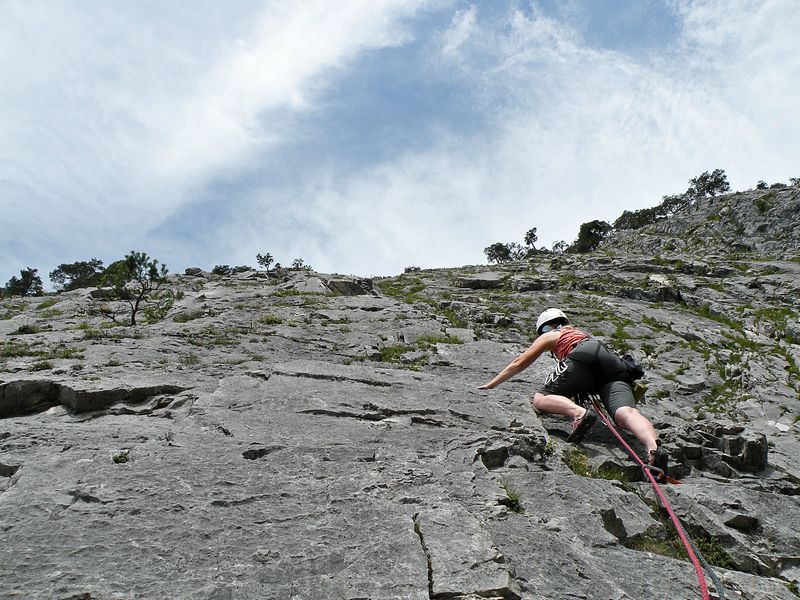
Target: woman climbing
column 585, row 365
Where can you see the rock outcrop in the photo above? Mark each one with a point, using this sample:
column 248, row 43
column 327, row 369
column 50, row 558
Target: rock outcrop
column 316, row 437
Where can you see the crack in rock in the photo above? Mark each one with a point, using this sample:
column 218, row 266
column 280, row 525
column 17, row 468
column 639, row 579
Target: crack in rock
column 336, row 378
column 462, row 560
column 256, row 453
column 378, row 413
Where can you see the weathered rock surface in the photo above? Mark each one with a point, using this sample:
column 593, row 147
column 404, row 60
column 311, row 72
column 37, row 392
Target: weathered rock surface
column 299, row 437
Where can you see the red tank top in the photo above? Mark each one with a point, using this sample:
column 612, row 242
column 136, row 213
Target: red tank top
column 567, row 341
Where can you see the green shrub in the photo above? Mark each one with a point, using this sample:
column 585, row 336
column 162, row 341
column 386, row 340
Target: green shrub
column 28, row 328
column 11, row 310
column 511, row 500
column 270, row 319
column 578, row 462
column 47, row 303
column 394, row 352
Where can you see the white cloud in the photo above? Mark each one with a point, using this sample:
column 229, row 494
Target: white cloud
column 459, row 31
column 748, row 55
column 113, row 116
column 225, row 116
column 577, row 134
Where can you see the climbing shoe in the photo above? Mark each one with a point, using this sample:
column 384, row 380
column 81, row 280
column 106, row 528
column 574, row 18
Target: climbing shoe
column 657, row 460
column 580, row 427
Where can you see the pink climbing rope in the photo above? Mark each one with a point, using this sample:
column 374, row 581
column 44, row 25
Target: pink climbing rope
column 684, row 538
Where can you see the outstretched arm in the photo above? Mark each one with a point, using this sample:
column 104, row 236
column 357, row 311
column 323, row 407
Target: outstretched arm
column 543, row 343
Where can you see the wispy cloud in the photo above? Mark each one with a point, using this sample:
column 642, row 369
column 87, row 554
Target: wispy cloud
column 576, row 133
column 117, row 115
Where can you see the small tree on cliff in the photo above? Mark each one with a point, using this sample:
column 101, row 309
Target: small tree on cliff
column 265, row 260
column 77, row 275
column 708, row 184
column 531, row 237
column 590, row 236
column 136, row 280
column 27, row 284
column 500, row 252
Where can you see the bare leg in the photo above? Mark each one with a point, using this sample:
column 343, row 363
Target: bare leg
column 632, row 420
column 558, row 405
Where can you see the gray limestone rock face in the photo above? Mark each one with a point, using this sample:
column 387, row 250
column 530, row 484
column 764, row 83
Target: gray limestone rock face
column 462, row 560
column 349, row 287
column 489, row 280
column 276, row 438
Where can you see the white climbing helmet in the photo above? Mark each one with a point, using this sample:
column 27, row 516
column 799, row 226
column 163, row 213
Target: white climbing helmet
column 548, row 316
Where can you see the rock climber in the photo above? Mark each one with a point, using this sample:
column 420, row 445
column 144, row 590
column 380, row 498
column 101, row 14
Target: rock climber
column 584, row 365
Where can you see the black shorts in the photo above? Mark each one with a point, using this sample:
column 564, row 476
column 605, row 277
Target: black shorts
column 591, row 367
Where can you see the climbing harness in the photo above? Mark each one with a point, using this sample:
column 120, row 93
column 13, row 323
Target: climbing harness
column 698, row 560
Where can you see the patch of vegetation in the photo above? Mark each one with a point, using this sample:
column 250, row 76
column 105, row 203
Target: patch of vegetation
column 668, row 543
column 511, row 500
column 27, row 329
column 654, row 324
column 452, row 316
column 549, row 448
column 270, row 319
column 15, row 349
column 294, row 292
column 11, row 310
column 42, row 365
column 90, row 333
column 620, row 338
column 120, row 458
column 63, row 351
column 742, row 342
column 791, row 366
column 721, row 400
column 402, row 288
column 765, row 203
column 393, row 352
column 211, row 336
column 578, row 462
column 704, row 310
column 190, row 315
column 407, row 289
column 47, row 303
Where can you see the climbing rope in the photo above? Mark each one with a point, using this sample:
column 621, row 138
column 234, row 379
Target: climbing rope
column 698, row 560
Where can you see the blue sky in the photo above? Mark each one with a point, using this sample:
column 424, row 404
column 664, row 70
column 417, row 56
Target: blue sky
column 365, row 136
